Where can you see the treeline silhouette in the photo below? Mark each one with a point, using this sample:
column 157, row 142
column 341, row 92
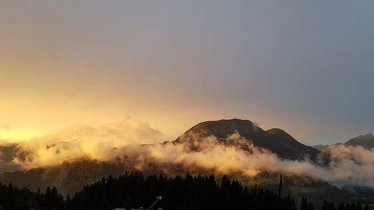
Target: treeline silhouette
column 133, row 190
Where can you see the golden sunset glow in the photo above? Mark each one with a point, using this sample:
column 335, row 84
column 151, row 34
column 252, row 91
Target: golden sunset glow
column 57, row 69
column 187, row 105
column 20, row 135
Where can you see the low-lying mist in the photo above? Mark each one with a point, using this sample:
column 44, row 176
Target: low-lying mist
column 136, row 143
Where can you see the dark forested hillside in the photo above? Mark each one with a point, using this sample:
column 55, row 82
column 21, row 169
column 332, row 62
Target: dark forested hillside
column 133, row 190
column 188, row 192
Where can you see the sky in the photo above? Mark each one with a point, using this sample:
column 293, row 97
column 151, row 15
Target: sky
column 304, row 66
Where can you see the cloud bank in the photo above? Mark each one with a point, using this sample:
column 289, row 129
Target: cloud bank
column 79, row 142
column 136, row 144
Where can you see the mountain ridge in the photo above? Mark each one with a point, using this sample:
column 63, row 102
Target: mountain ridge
column 69, row 177
column 365, row 140
column 275, row 140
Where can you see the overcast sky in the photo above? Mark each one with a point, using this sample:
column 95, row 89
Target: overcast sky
column 304, row 66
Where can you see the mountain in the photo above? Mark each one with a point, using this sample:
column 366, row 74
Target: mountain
column 275, row 140
column 366, row 141
column 72, row 175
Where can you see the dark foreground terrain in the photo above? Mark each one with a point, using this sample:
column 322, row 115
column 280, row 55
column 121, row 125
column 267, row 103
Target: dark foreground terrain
column 133, row 190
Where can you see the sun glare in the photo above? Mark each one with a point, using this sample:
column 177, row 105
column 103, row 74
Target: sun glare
column 16, row 135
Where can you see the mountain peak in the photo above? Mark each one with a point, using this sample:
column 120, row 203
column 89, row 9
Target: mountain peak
column 366, row 141
column 275, row 140
column 223, row 128
column 278, row 131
